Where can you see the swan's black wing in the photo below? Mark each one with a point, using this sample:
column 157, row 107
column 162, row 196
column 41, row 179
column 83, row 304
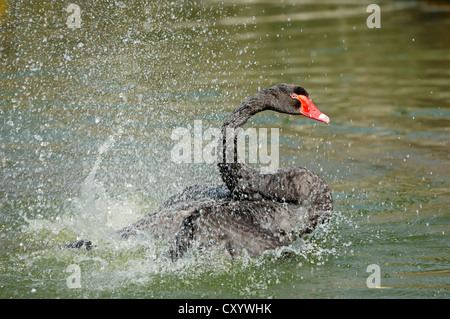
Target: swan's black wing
column 294, row 185
column 221, row 227
column 198, row 192
column 256, row 226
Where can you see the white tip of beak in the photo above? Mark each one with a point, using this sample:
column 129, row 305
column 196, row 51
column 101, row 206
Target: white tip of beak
column 324, row 118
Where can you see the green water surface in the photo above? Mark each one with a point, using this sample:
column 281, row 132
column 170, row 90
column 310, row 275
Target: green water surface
column 87, row 115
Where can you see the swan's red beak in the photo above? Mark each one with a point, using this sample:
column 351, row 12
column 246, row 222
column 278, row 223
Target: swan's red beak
column 308, row 109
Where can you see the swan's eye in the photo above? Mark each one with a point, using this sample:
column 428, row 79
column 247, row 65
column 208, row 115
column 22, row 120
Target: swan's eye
column 296, row 97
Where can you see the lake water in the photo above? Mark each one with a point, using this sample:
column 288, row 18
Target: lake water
column 90, row 99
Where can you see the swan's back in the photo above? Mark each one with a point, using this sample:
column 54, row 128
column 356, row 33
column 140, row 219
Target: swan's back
column 256, row 226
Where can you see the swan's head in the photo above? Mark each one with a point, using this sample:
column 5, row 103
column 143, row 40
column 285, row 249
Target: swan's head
column 293, row 99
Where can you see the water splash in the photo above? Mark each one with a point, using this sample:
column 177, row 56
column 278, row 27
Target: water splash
column 115, row 264
column 95, row 213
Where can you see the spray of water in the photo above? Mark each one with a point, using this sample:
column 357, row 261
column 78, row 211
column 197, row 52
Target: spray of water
column 115, row 263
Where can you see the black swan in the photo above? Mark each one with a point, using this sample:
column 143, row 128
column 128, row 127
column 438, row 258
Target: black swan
column 253, row 211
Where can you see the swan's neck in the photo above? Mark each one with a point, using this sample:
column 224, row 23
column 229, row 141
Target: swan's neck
column 230, row 167
column 294, row 185
column 230, row 129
